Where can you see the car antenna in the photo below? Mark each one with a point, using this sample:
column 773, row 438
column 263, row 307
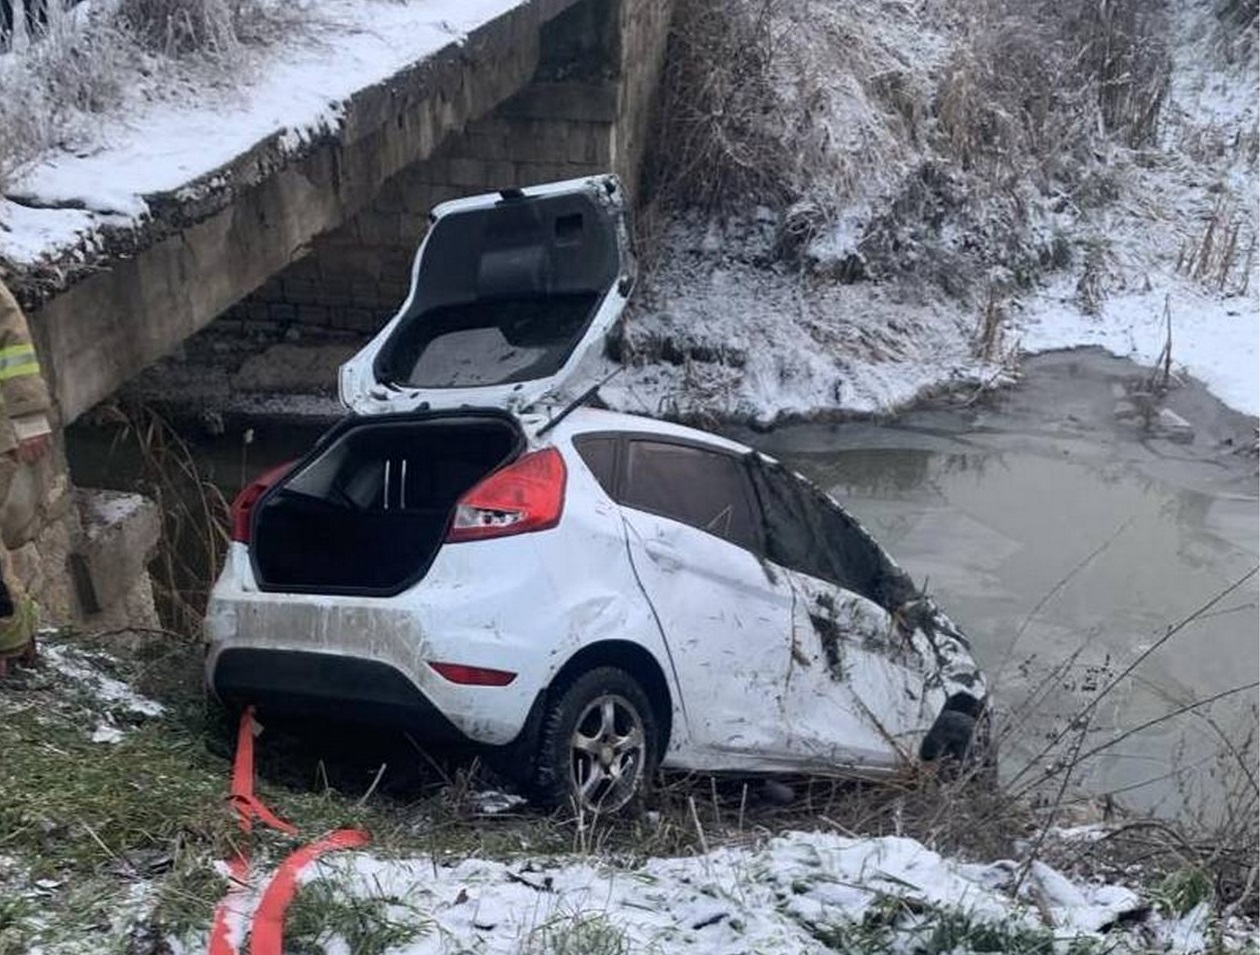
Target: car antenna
column 580, row 400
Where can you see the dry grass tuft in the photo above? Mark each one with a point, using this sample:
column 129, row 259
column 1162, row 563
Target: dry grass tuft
column 58, row 88
column 724, row 136
column 213, row 29
column 1222, row 255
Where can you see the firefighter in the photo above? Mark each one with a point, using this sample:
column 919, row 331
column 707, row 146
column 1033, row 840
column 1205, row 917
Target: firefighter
column 25, row 437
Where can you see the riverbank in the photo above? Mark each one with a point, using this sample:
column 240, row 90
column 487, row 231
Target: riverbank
column 112, row 798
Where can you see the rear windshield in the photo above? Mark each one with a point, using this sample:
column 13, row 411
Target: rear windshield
column 504, row 294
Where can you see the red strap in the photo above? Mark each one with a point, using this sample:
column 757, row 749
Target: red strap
column 267, row 935
column 221, row 941
column 267, row 931
column 248, row 806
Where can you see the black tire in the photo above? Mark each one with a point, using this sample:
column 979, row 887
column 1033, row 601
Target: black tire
column 949, row 738
column 959, row 744
column 599, row 744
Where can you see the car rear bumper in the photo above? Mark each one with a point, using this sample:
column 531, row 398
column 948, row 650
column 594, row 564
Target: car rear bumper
column 300, row 683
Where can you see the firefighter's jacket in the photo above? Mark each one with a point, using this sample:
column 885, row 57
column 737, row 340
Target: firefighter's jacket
column 25, row 396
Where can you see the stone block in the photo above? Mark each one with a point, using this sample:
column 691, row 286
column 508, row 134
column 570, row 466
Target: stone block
column 312, row 314
column 120, row 535
column 502, row 175
column 289, row 367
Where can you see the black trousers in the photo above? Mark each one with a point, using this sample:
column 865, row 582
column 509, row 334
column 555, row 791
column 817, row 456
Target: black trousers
column 36, row 20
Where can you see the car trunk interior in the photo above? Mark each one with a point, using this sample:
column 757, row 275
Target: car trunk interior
column 503, row 294
column 368, row 509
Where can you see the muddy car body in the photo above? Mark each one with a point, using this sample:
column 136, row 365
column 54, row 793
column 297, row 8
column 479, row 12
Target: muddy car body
column 588, row 594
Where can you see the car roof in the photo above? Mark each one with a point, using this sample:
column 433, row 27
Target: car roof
column 587, row 420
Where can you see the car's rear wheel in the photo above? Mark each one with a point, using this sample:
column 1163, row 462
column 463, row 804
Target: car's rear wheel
column 599, row 744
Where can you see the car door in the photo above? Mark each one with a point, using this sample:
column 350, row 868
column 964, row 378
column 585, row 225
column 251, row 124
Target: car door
column 726, row 617
column 865, row 690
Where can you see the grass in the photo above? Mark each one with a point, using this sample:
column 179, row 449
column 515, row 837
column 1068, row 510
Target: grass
column 324, row 911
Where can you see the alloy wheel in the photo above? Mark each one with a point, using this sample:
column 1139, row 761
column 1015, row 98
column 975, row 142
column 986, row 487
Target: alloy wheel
column 609, row 749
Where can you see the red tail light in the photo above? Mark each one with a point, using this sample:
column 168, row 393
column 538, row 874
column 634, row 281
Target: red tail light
column 243, row 506
column 473, row 676
column 527, row 495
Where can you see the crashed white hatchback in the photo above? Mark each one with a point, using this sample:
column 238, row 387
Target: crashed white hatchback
column 586, row 595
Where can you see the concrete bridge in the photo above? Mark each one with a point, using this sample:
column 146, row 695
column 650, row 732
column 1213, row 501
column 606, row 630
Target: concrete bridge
column 550, row 89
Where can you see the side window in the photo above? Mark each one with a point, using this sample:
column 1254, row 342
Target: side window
column 599, row 453
column 808, row 532
column 705, row 489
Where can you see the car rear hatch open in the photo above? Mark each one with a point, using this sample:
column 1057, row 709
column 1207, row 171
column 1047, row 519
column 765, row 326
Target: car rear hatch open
column 508, row 292
column 366, row 511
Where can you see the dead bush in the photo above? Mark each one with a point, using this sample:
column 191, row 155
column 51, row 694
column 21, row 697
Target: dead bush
column 216, row 29
column 1121, row 48
column 1221, row 256
column 723, row 136
column 1006, row 96
column 1239, row 22
column 54, row 91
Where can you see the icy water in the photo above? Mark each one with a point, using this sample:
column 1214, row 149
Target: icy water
column 1063, row 541
column 1066, row 543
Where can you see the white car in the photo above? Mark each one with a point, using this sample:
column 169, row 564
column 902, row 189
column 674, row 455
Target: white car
column 585, row 595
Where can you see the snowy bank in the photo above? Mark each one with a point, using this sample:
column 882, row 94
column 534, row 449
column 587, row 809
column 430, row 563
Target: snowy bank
column 803, row 892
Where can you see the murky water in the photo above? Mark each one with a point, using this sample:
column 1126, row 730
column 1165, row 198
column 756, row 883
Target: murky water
column 1059, row 537
column 1063, row 541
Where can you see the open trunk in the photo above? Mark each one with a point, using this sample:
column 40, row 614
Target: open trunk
column 509, row 291
column 367, row 510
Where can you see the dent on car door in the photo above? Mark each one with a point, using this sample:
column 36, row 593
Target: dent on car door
column 693, row 530
column 875, row 660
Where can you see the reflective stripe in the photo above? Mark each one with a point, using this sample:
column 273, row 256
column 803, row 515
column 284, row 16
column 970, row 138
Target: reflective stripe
column 18, row 361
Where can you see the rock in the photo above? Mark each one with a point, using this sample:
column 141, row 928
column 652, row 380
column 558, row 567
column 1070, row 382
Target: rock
column 1125, row 410
column 1174, row 427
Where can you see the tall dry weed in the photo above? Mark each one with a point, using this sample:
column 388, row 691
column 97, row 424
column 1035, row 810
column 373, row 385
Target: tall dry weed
column 723, row 136
column 213, row 29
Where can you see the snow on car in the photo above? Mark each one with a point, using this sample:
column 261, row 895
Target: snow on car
column 584, row 595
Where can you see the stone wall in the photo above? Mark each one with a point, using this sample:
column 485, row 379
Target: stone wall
column 82, row 555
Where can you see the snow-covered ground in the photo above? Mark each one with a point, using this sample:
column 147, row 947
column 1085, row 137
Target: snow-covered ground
column 1215, row 338
column 724, row 329
column 802, row 892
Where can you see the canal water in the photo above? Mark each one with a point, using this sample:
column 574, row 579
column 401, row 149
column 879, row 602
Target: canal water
column 1065, row 541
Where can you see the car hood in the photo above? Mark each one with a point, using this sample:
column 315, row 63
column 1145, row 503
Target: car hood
column 509, row 291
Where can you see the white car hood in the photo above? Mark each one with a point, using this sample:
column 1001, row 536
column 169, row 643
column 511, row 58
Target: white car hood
column 509, row 291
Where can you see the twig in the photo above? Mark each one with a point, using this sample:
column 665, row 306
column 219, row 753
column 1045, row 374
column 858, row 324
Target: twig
column 1155, row 721
column 1141, row 657
column 371, row 789
column 1054, row 591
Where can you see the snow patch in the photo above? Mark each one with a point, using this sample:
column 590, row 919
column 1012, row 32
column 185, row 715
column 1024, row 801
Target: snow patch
column 106, row 688
column 785, row 895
